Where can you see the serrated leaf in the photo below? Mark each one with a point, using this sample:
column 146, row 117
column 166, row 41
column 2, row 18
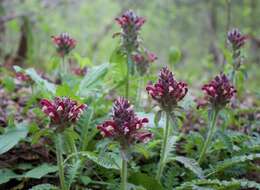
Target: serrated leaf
column 191, row 164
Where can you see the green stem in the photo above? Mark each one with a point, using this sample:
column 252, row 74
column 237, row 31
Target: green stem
column 124, row 175
column 163, row 149
column 60, row 161
column 212, row 125
column 128, row 75
column 139, row 92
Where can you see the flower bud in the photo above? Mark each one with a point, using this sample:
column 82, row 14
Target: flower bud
column 64, row 44
column 130, row 24
column 142, row 61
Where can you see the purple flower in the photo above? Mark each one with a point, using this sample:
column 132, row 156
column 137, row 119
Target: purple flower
column 80, row 71
column 167, row 91
column 23, row 77
column 236, row 39
column 130, row 24
column 64, row 43
column 219, row 91
column 62, row 111
column 124, row 126
column 143, row 60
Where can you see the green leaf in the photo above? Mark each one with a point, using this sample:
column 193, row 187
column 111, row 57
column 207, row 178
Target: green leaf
column 170, row 147
column 92, row 78
column 44, row 84
column 73, row 172
column 223, row 165
column 45, row 186
column 68, row 91
column 174, row 55
column 12, row 136
column 40, row 171
column 85, row 180
column 6, row 175
column 148, row 182
column 190, row 164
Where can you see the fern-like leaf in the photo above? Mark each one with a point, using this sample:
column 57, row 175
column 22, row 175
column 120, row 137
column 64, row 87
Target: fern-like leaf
column 191, row 164
column 221, row 166
column 73, row 172
column 170, row 147
column 219, row 185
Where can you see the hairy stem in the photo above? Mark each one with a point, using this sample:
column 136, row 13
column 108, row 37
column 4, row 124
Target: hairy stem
column 212, row 124
column 163, row 149
column 124, row 174
column 128, row 75
column 60, row 161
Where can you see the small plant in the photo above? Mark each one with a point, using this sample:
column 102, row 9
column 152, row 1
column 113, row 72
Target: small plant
column 218, row 94
column 130, row 24
column 127, row 129
column 63, row 112
column 167, row 92
column 237, row 41
column 64, row 44
column 143, row 60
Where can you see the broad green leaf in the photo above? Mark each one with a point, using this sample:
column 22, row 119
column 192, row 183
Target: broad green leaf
column 92, row 78
column 6, row 175
column 12, row 136
column 148, row 182
column 44, row 84
column 40, row 171
column 45, row 186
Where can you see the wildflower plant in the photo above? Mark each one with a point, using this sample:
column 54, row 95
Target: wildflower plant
column 125, row 128
column 130, row 24
column 237, row 40
column 143, row 60
column 63, row 112
column 64, row 45
column 167, row 92
column 218, row 94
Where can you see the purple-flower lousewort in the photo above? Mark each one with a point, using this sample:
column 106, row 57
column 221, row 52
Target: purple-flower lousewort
column 62, row 111
column 124, row 126
column 130, row 24
column 64, row 43
column 219, row 91
column 236, row 39
column 167, row 92
column 143, row 60
column 23, row 77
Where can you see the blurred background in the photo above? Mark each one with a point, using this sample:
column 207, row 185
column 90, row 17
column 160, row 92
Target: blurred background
column 193, row 30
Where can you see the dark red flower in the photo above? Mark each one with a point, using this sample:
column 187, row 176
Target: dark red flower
column 143, row 60
column 236, row 38
column 64, row 43
column 80, row 71
column 62, row 111
column 125, row 127
column 23, row 77
column 219, row 91
column 167, row 91
column 130, row 24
